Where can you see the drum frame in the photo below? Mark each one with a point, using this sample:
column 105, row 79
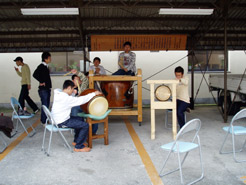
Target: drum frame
column 138, row 78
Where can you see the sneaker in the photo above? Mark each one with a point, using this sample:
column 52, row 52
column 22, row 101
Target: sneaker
column 36, row 111
column 27, row 113
column 20, row 112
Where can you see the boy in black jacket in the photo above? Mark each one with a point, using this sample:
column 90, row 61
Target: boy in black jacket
column 42, row 74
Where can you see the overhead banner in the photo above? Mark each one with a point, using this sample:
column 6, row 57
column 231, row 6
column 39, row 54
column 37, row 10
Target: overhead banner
column 139, row 42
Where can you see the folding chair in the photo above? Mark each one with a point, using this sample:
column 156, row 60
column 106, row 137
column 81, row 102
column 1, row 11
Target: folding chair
column 53, row 128
column 4, row 143
column 235, row 131
column 169, row 125
column 180, row 145
column 14, row 104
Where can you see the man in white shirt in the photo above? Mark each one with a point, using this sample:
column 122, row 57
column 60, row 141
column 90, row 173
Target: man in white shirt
column 183, row 99
column 61, row 109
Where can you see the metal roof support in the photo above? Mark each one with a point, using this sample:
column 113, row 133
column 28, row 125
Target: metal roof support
column 82, row 37
column 225, row 13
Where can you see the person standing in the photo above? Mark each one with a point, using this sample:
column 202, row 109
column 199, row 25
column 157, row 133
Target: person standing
column 126, row 61
column 183, row 99
column 42, row 74
column 25, row 87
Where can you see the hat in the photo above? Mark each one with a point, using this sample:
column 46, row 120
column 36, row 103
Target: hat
column 18, row 59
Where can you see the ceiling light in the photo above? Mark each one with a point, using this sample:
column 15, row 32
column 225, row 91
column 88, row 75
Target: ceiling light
column 185, row 11
column 50, row 11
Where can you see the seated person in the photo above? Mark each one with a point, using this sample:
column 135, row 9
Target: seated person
column 62, row 104
column 77, row 109
column 97, row 68
column 183, row 99
column 126, row 61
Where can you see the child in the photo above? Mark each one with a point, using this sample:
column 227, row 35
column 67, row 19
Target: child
column 61, row 109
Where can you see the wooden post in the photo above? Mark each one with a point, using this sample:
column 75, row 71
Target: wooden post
column 91, row 79
column 174, row 112
column 140, row 107
column 152, row 108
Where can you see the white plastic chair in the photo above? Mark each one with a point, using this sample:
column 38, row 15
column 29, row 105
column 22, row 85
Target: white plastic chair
column 4, row 143
column 14, row 104
column 52, row 127
column 180, row 145
column 235, row 131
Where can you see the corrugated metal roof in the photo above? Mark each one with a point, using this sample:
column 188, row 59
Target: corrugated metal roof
column 119, row 17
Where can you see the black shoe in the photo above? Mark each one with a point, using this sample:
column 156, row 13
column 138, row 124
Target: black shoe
column 20, row 112
column 27, row 113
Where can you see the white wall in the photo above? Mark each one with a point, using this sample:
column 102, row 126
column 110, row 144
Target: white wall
column 10, row 81
column 149, row 62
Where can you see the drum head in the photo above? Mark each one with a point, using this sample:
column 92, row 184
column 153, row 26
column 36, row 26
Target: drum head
column 162, row 93
column 98, row 106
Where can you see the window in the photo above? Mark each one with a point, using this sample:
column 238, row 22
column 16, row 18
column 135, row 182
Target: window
column 207, row 61
column 62, row 62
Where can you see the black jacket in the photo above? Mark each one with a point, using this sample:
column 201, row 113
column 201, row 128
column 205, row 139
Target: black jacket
column 42, row 74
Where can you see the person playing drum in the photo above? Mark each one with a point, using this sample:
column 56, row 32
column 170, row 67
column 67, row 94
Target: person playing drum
column 97, row 68
column 126, row 61
column 81, row 83
column 62, row 104
column 183, row 99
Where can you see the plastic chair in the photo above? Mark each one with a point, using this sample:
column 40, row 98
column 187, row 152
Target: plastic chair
column 14, row 104
column 53, row 128
column 235, row 131
column 4, row 143
column 169, row 125
column 94, row 120
column 181, row 145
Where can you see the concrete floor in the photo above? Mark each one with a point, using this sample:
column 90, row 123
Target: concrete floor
column 119, row 163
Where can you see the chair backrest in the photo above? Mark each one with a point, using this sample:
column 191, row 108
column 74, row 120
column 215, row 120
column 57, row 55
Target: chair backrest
column 241, row 114
column 193, row 125
column 48, row 115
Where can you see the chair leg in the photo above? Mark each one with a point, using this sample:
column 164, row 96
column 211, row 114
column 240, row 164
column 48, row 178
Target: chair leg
column 48, row 152
column 90, row 134
column 160, row 174
column 65, row 141
column 106, row 132
column 234, row 152
column 43, row 149
column 180, row 169
column 222, row 146
column 5, row 144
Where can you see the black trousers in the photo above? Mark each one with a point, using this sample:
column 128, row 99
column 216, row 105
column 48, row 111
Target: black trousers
column 24, row 95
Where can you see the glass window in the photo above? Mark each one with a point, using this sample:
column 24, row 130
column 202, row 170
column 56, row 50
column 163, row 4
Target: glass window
column 207, row 61
column 62, row 62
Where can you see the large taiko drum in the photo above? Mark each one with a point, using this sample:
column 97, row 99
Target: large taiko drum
column 119, row 94
column 163, row 93
column 97, row 106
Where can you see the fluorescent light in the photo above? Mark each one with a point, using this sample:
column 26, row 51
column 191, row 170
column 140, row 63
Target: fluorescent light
column 50, row 11
column 184, row 11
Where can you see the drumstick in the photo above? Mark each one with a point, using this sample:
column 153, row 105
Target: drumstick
column 77, row 83
column 68, row 73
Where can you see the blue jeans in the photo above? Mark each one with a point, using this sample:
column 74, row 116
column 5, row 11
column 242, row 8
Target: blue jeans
column 74, row 113
column 45, row 100
column 181, row 108
column 80, row 127
column 122, row 72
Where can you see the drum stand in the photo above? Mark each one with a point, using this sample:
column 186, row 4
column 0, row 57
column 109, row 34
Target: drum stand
column 163, row 104
column 137, row 78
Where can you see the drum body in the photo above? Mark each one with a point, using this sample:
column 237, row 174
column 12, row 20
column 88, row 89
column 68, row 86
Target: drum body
column 163, row 93
column 97, row 106
column 119, row 94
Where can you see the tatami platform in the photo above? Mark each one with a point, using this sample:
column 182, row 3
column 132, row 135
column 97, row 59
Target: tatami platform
column 131, row 158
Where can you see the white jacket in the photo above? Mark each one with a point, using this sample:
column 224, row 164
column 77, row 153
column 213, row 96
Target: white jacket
column 63, row 103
